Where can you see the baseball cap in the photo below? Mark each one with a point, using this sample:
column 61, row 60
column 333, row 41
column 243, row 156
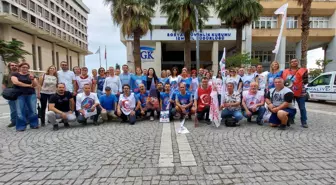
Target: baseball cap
column 107, row 88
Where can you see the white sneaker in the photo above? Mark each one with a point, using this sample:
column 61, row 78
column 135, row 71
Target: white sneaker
column 151, row 118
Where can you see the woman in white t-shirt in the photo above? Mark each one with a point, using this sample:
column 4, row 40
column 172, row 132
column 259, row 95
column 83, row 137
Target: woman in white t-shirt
column 48, row 82
column 235, row 79
column 83, row 79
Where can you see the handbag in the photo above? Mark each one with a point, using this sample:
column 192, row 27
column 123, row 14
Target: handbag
column 11, row 94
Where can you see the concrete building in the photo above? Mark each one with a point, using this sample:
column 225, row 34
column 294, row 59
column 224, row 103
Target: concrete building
column 51, row 30
column 162, row 48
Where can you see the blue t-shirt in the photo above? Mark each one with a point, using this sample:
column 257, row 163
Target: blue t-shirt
column 142, row 98
column 136, row 81
column 187, row 81
column 184, row 99
column 165, row 97
column 164, row 80
column 107, row 102
column 100, row 83
column 271, row 77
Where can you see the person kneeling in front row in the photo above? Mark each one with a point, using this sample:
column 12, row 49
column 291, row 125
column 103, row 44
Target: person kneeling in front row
column 127, row 106
column 61, row 106
column 184, row 103
column 231, row 104
column 253, row 103
column 87, row 104
column 279, row 101
column 108, row 104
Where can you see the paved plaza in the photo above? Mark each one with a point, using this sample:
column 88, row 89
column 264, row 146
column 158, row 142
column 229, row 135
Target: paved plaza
column 153, row 153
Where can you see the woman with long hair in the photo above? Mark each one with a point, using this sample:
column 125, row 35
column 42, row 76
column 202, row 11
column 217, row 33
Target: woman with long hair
column 151, row 76
column 100, row 81
column 235, row 79
column 26, row 102
column 273, row 74
column 136, row 80
column 47, row 87
column 173, row 79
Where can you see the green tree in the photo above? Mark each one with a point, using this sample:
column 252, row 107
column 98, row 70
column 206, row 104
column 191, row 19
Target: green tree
column 134, row 17
column 237, row 14
column 117, row 66
column 240, row 60
column 181, row 18
column 305, row 16
column 12, row 51
column 321, row 64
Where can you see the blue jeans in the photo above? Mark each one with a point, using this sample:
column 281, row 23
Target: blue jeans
column 260, row 112
column 12, row 107
column 82, row 119
column 302, row 106
column 26, row 109
column 99, row 93
column 235, row 113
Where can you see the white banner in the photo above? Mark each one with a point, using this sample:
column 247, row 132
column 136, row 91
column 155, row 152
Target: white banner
column 280, row 11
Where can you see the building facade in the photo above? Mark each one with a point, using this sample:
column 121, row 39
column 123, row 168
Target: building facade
column 51, row 30
column 162, row 48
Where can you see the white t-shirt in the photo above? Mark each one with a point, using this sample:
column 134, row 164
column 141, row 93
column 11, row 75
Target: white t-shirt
column 127, row 104
column 247, row 79
column 252, row 99
column 86, row 102
column 114, row 83
column 262, row 77
column 66, row 77
column 82, row 81
column 235, row 80
column 49, row 84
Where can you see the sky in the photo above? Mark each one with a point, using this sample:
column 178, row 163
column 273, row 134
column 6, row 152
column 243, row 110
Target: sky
column 102, row 32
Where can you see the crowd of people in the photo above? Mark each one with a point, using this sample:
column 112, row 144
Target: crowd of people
column 68, row 96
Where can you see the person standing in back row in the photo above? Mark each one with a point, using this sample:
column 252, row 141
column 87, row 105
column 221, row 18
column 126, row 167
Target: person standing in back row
column 125, row 77
column 83, row 79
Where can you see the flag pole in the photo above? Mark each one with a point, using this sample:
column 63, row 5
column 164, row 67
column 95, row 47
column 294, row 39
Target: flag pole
column 99, row 57
column 105, row 58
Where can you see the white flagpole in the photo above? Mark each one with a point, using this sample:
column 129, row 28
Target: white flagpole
column 99, row 57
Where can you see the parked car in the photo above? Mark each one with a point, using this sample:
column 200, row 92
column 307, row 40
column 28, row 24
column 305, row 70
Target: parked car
column 323, row 87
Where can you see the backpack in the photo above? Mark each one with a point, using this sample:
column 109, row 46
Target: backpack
column 230, row 122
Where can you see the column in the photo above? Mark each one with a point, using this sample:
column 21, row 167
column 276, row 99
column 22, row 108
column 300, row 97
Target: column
column 5, row 32
column 81, row 60
column 214, row 57
column 298, row 50
column 36, row 65
column 281, row 57
column 158, row 57
column 53, row 55
column 247, row 42
column 331, row 50
column 129, row 53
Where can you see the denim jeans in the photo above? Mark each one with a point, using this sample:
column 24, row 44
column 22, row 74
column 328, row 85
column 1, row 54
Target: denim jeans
column 260, row 112
column 302, row 106
column 99, row 93
column 82, row 119
column 235, row 113
column 12, row 107
column 26, row 109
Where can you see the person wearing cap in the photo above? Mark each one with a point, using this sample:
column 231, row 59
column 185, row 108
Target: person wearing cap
column 108, row 104
column 83, row 79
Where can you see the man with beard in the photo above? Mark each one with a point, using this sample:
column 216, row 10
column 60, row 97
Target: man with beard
column 7, row 83
column 61, row 106
column 166, row 98
column 203, row 100
column 253, row 103
column 159, row 87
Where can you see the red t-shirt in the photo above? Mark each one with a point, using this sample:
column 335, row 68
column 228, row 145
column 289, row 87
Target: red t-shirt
column 204, row 98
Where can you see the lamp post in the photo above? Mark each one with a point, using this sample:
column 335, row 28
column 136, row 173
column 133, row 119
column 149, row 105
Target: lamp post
column 197, row 33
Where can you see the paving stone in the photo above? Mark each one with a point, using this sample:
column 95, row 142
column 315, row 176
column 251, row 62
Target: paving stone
column 150, row 171
column 24, row 176
column 270, row 166
column 120, row 173
column 182, row 171
column 135, row 172
column 212, row 169
column 39, row 176
column 8, row 177
column 166, row 171
column 228, row 169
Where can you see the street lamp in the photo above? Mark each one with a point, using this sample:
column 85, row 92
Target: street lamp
column 195, row 2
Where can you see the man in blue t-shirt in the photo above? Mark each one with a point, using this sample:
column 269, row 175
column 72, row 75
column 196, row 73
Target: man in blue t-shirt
column 143, row 99
column 184, row 102
column 108, row 104
column 166, row 98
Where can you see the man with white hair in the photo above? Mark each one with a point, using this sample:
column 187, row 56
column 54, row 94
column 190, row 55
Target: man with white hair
column 253, row 103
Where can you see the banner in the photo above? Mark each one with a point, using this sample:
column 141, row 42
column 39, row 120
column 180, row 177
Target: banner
column 280, row 11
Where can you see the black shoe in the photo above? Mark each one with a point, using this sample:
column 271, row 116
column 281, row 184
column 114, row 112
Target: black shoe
column 290, row 122
column 95, row 123
column 11, row 125
column 249, row 120
column 189, row 116
column 43, row 124
column 55, row 127
column 305, row 125
column 37, row 127
column 66, row 125
column 260, row 123
column 208, row 122
column 282, row 127
column 123, row 121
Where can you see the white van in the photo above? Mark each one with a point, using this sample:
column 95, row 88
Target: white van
column 323, row 87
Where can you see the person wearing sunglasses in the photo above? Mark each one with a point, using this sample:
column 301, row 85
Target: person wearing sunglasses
column 100, row 82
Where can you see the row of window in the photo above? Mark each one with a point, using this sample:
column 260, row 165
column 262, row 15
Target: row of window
column 267, row 56
column 45, row 26
column 50, row 16
column 291, row 22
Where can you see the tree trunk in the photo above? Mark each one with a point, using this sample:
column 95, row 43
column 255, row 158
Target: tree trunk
column 239, row 39
column 306, row 9
column 187, row 48
column 136, row 50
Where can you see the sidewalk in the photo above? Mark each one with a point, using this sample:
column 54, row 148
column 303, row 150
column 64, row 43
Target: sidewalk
column 3, row 101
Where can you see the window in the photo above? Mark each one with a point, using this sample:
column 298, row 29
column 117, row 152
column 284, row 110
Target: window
column 41, row 24
column 292, row 22
column 335, row 81
column 53, row 30
column 32, row 6
column 52, row 18
column 15, row 10
column 39, row 9
column 47, row 27
column 33, row 20
column 46, row 14
column 319, row 22
column 263, row 56
column 290, row 55
column 46, row 2
column 322, row 80
column 24, row 3
column 263, row 23
column 5, row 6
column 39, row 53
column 52, row 6
column 24, row 15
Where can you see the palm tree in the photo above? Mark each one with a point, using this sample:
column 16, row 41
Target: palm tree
column 306, row 10
column 134, row 17
column 181, row 18
column 237, row 14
